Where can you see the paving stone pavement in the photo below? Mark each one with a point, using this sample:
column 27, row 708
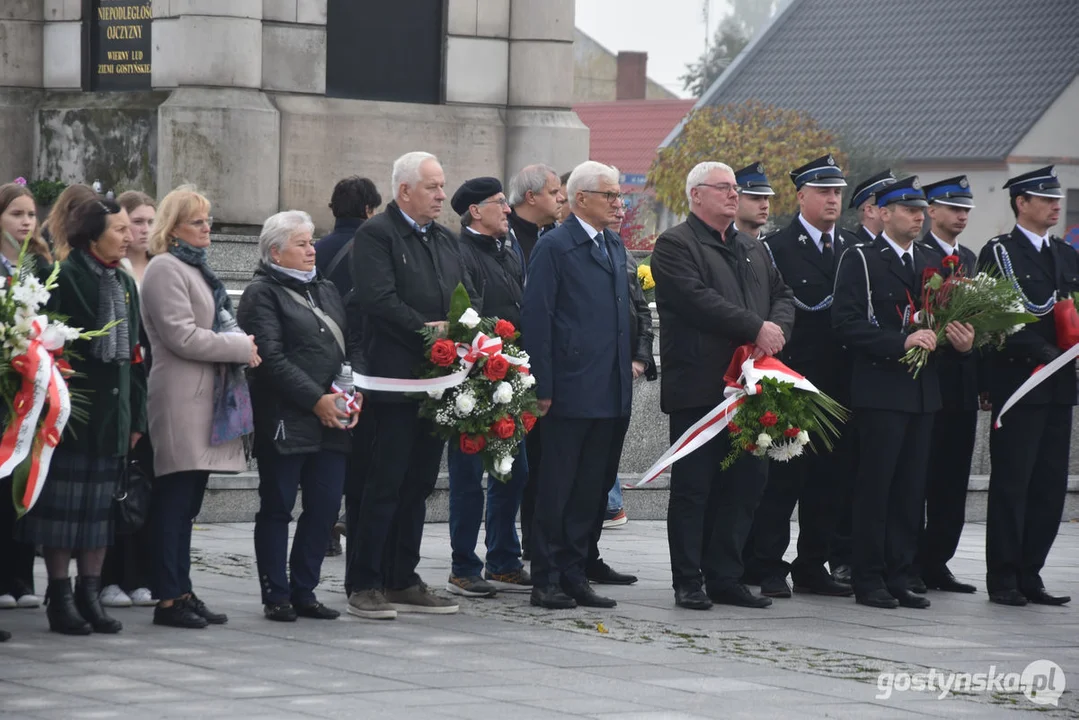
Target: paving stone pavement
column 807, row 657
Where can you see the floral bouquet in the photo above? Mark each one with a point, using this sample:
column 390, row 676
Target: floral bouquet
column 648, row 283
column 488, row 404
column 33, row 379
column 990, row 303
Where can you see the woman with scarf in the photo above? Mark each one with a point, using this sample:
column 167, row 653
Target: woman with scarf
column 301, row 435
column 192, row 331
column 73, row 515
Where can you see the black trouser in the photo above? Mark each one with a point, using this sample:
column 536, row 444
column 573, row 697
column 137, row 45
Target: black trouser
column 950, row 453
column 359, row 467
column 610, row 477
column 889, row 497
column 16, row 558
column 389, row 526
column 840, row 548
column 534, row 448
column 710, row 512
column 816, row 481
column 1028, row 482
column 175, row 502
column 572, row 474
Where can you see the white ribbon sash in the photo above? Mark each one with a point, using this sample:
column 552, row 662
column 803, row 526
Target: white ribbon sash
column 1037, row 379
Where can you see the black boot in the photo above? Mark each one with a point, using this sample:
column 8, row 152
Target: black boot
column 87, row 600
column 61, row 611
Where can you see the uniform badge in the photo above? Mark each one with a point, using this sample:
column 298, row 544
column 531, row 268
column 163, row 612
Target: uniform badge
column 963, row 183
column 1053, row 172
column 831, row 160
column 760, row 168
column 916, row 184
column 802, row 239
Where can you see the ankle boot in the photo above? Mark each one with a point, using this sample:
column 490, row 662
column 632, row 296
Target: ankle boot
column 61, row 612
column 87, row 600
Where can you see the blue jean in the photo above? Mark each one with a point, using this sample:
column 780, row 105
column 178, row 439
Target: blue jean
column 614, row 497
column 322, row 476
column 467, row 509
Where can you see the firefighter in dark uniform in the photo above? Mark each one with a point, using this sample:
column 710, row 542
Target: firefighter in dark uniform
column 754, row 200
column 1029, row 452
column 871, row 313
column 955, row 425
column 864, row 200
column 806, row 253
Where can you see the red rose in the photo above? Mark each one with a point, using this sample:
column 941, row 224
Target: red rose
column 733, row 429
column 472, row 444
column 791, row 432
column 443, row 352
column 952, row 261
column 505, row 330
column 751, row 448
column 768, row 419
column 496, row 368
column 504, row 427
column 928, row 274
column 528, row 420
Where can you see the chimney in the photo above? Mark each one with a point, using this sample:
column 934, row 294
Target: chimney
column 631, row 80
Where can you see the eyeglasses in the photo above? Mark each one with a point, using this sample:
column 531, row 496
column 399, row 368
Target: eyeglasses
column 612, row 197
column 199, row 224
column 499, row 201
column 725, row 188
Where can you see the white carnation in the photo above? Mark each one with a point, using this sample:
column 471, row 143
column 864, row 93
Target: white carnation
column 527, row 380
column 469, row 318
column 764, row 440
column 436, row 394
column 503, row 393
column 465, row 403
column 504, row 465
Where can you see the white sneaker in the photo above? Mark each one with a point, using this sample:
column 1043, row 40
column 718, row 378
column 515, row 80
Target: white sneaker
column 113, row 596
column 8, row 602
column 29, row 601
column 142, row 597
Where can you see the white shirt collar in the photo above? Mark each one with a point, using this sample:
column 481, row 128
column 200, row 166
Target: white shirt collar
column 591, row 231
column 1038, row 241
column 948, row 249
column 815, row 233
column 898, row 250
column 421, row 228
column 869, row 232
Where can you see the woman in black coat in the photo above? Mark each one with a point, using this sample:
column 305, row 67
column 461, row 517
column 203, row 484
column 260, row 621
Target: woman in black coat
column 301, row 435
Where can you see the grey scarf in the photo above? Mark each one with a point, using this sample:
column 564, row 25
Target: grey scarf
column 115, row 346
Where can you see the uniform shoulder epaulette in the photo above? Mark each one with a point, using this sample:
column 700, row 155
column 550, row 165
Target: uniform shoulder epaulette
column 998, row 238
column 863, row 245
column 769, row 235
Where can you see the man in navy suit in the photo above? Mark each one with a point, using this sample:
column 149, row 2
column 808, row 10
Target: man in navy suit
column 575, row 326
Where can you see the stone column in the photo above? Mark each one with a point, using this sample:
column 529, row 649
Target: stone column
column 217, row 130
column 540, row 127
column 20, row 83
column 477, row 52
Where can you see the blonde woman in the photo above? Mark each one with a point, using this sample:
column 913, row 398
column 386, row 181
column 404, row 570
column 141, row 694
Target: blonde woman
column 190, row 324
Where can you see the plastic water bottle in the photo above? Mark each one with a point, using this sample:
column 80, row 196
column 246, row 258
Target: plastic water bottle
column 343, row 384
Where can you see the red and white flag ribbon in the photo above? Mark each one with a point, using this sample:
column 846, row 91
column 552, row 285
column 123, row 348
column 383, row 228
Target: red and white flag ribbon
column 1037, row 378
column 743, row 379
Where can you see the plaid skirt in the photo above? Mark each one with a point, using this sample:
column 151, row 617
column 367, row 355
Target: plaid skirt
column 74, row 509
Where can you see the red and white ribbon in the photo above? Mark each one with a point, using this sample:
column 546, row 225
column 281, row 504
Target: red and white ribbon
column 745, row 383
column 1037, row 378
column 351, row 404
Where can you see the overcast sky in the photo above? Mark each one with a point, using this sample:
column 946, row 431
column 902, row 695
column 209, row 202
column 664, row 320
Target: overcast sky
column 672, row 32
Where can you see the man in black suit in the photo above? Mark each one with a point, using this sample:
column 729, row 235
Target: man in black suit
column 754, row 200
column 576, row 329
column 1029, row 452
column 895, row 409
column 806, row 253
column 864, row 200
column 715, row 290
column 955, row 425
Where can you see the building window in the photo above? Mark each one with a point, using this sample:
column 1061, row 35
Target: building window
column 378, row 50
column 1071, row 219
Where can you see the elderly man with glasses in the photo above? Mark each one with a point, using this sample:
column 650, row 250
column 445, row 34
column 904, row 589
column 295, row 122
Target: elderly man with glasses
column 716, row 290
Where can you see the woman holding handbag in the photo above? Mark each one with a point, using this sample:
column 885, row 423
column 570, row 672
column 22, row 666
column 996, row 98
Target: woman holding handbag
column 197, row 347
column 301, row 428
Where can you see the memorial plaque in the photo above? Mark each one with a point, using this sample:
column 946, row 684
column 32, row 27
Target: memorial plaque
column 118, row 35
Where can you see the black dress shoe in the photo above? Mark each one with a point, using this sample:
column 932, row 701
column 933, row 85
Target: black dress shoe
column 1008, row 597
column 841, row 573
column 824, row 584
column 587, row 597
column 775, row 587
column 200, row 609
column 603, row 574
column 908, row 599
column 280, row 612
column 878, row 599
column 917, row 585
column 178, row 615
column 947, row 582
column 692, row 598
column 316, row 611
column 552, row 598
column 88, row 602
column 1039, row 596
column 737, row 594
column 4, row 636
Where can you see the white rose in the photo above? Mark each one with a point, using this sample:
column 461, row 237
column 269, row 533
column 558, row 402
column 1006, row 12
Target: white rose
column 764, row 440
column 802, row 438
column 503, row 393
column 527, row 380
column 465, row 404
column 504, row 465
column 469, row 318
column 436, row 394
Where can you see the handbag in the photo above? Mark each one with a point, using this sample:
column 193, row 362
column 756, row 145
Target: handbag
column 233, row 417
column 131, row 499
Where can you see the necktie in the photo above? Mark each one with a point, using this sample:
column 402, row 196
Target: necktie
column 602, row 245
column 826, row 248
column 908, row 263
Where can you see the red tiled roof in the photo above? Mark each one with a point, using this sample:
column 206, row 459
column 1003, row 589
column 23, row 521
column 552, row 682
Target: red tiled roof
column 627, row 133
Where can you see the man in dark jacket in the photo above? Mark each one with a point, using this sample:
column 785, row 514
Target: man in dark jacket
column 577, row 332
column 715, row 290
column 354, row 200
column 405, row 267
column 494, row 264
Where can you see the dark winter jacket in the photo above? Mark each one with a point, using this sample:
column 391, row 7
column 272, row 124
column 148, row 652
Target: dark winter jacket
column 497, row 272
column 328, row 248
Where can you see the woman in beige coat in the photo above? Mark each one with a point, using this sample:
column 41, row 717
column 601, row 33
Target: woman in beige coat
column 187, row 314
